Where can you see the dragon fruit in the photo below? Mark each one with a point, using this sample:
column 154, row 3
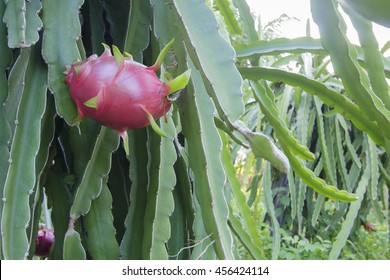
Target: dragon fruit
column 120, row 93
column 44, row 242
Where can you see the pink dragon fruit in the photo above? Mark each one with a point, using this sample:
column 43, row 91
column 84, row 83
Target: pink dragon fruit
column 120, row 93
column 44, row 242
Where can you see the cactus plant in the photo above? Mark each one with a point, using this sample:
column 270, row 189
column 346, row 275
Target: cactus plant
column 65, row 98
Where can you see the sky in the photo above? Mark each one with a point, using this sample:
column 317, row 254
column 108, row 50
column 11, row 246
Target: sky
column 272, row 9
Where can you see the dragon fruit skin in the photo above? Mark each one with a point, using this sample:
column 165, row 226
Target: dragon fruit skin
column 44, row 242
column 120, row 93
column 82, row 87
column 136, row 89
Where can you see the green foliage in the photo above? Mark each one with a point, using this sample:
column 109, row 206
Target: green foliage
column 269, row 152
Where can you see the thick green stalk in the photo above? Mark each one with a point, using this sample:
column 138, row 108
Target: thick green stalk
column 73, row 250
column 131, row 245
column 55, row 37
column 16, row 85
column 137, row 36
column 344, row 60
column 231, row 21
column 352, row 214
column 97, row 168
column 209, row 228
column 117, row 13
column 211, row 53
column 98, row 223
column 160, row 203
column 21, row 175
column 23, row 22
column 204, row 146
column 59, row 198
column 247, row 220
column 267, row 185
column 373, row 58
column 247, row 19
column 41, row 163
column 330, row 97
column 265, row 98
column 5, row 133
column 325, row 147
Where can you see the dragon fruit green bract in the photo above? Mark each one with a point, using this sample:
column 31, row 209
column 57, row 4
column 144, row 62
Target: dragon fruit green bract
column 120, row 93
